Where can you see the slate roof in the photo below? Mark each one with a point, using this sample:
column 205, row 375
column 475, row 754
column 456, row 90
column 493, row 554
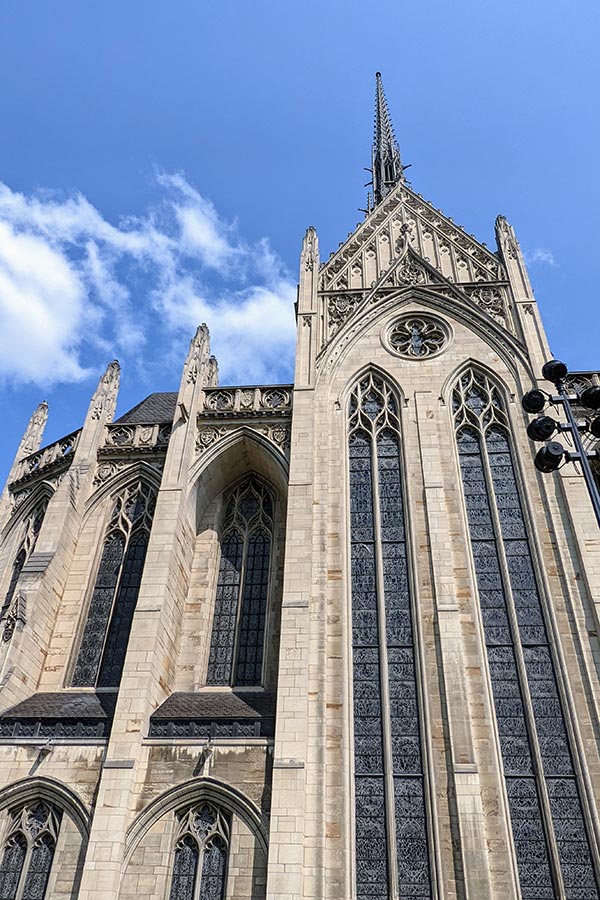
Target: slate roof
column 217, row 705
column 156, row 409
column 64, row 705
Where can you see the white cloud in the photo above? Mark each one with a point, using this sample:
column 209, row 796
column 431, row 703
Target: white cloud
column 541, row 256
column 76, row 289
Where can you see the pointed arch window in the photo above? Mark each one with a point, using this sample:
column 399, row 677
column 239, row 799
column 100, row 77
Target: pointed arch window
column 31, row 530
column 28, row 851
column 200, row 864
column 242, row 595
column 549, row 831
column 392, row 853
column 106, row 633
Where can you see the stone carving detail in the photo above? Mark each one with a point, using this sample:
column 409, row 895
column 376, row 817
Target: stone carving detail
column 129, row 438
column 104, row 401
column 108, row 468
column 417, row 336
column 339, row 310
column 197, row 357
column 490, row 300
column 16, row 613
column 208, row 435
column 458, row 256
column 247, row 401
column 34, row 431
column 60, row 451
column 506, row 237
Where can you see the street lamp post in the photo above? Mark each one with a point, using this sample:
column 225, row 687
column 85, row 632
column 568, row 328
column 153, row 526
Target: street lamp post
column 553, row 454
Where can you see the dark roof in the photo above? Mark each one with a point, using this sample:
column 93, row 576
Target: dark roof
column 64, row 705
column 156, row 409
column 217, row 705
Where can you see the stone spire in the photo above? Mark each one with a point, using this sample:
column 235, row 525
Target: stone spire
column 386, row 162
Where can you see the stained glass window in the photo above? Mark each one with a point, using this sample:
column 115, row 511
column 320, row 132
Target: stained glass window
column 106, row 633
column 541, row 784
column 241, row 599
column 390, row 822
column 202, row 845
column 30, row 531
column 29, row 851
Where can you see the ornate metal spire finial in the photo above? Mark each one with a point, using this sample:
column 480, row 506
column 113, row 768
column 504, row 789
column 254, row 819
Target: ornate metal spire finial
column 387, row 165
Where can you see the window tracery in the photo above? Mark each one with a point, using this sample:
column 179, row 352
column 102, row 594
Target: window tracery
column 418, row 336
column 106, row 633
column 241, row 601
column 543, row 794
column 201, row 847
column 28, row 851
column 13, row 610
column 390, row 822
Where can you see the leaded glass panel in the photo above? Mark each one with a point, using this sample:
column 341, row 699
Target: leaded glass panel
column 243, row 583
column 383, row 648
column 110, row 615
column 184, row 870
column 220, row 661
column 120, row 625
column 202, row 847
column 90, row 652
column 11, row 867
column 506, row 596
column 29, row 851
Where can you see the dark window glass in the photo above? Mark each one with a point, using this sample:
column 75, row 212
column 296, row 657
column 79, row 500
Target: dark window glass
column 383, row 651
column 11, row 867
column 514, row 624
column 120, row 624
column 110, row 615
column 90, row 652
column 184, row 870
column 38, row 872
column 201, row 848
column 242, row 594
column 29, row 851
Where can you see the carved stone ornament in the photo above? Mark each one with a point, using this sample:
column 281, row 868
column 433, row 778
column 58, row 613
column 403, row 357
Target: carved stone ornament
column 14, row 614
column 417, row 336
column 491, row 300
column 104, row 400
column 340, row 309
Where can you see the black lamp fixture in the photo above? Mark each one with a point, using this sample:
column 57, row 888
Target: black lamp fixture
column 552, row 455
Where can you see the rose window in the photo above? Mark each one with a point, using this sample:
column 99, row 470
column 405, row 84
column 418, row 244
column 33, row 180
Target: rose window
column 417, row 336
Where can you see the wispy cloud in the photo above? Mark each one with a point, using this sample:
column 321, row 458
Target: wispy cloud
column 540, row 256
column 75, row 288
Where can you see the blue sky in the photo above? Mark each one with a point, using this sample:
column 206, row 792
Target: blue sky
column 159, row 164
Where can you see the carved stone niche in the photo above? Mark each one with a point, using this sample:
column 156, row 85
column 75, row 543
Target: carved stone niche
column 416, row 336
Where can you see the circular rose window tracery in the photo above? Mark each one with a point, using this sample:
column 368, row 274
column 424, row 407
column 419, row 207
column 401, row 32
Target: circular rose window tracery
column 417, row 336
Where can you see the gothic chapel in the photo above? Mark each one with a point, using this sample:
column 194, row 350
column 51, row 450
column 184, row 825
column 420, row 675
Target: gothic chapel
column 329, row 640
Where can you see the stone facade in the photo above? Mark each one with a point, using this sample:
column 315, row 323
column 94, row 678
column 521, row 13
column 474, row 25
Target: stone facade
column 128, row 758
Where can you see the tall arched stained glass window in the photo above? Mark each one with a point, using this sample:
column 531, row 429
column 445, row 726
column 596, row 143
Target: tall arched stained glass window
column 202, row 846
column 28, row 851
column 392, row 854
column 241, row 601
column 106, row 633
column 549, row 832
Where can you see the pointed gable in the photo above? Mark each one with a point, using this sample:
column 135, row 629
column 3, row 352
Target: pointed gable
column 406, row 242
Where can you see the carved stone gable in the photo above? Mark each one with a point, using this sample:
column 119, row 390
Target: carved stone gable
column 406, row 220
